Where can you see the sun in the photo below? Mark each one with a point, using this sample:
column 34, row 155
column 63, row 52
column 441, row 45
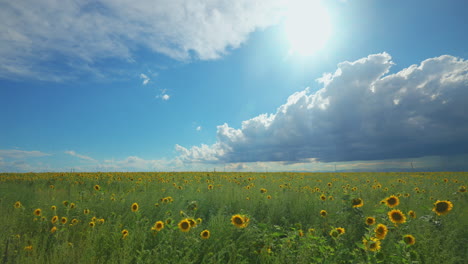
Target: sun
column 307, row 26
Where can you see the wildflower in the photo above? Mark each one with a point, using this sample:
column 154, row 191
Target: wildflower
column 124, row 233
column 372, row 245
column 205, row 234
column 199, row 221
column 323, row 213
column 396, row 216
column 381, row 231
column 101, row 221
column 52, row 186
column 17, row 204
column 409, row 239
column 54, row 219
column 442, row 207
column 392, row 201
column 357, row 202
column 370, row 220
column 37, row 212
column 134, row 207
column 240, row 221
column 184, row 225
column 158, row 226
column 97, row 187
column 63, row 220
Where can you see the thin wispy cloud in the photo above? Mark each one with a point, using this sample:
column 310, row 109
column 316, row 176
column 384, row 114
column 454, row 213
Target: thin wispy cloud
column 145, row 78
column 74, row 154
column 21, row 154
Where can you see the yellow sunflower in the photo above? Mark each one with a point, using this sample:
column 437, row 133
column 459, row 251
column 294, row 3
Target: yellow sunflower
column 184, row 225
column 37, row 212
column 86, row 211
column 53, row 208
column 372, row 245
column 92, row 224
column 392, row 201
column 381, row 231
column 74, row 221
column 323, row 213
column 53, row 229
column 54, row 219
column 97, row 187
column 192, row 222
column 340, row 230
column 158, row 226
column 334, row 233
column 323, row 197
column 240, row 221
column 124, row 233
column 134, row 207
column 412, row 214
column 263, row 190
column 17, row 204
column 462, row 189
column 210, row 187
column 442, row 207
column 205, row 234
column 63, row 220
column 409, row 239
column 357, row 202
column 370, row 220
column 396, row 216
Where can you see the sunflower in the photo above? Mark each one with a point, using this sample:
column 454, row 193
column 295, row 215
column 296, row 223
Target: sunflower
column 124, row 233
column 409, row 239
column 412, row 214
column 240, row 221
column 65, row 203
column 51, row 186
column 184, row 225
column 74, row 221
column 37, row 212
column 334, row 233
column 370, row 220
column 205, row 234
column 158, row 226
column 53, row 229
column 192, row 222
column 86, row 211
column 312, row 231
column 28, row 248
column 442, row 207
column 210, row 186
column 323, row 197
column 392, row 201
column 63, row 220
column 54, row 219
column 53, row 208
column 72, row 206
column 381, row 231
column 199, row 221
column 396, row 216
column 168, row 221
column 372, row 245
column 97, row 187
column 462, row 189
column 269, row 197
column 134, row 207
column 357, row 202
column 17, row 204
column 263, row 190
column 340, row 230
column 323, row 213
column 92, row 224
column 102, row 221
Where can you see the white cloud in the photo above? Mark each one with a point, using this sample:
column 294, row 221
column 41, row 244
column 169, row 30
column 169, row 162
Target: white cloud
column 165, row 97
column 80, row 33
column 145, row 78
column 355, row 117
column 74, row 154
column 199, row 128
column 21, row 154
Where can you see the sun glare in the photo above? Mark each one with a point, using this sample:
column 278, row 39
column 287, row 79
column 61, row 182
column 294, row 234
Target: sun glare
column 307, row 26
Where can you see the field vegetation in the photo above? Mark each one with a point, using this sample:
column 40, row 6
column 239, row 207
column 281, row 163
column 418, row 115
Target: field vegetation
column 207, row 217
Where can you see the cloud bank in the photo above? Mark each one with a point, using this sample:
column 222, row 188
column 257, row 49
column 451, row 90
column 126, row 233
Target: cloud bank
column 360, row 113
column 80, row 33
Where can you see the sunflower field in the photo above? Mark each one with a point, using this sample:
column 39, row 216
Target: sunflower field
column 214, row 217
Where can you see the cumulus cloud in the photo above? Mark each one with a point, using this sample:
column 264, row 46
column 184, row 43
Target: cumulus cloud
column 361, row 113
column 145, row 78
column 74, row 154
column 79, row 33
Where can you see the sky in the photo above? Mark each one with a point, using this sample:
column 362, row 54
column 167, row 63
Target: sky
column 246, row 85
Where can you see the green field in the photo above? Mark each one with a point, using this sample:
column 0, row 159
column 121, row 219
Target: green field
column 234, row 217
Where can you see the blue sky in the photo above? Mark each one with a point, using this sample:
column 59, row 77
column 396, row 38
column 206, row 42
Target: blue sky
column 237, row 85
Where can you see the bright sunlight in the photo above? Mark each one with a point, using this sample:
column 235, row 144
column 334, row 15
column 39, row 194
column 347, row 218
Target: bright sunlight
column 307, row 27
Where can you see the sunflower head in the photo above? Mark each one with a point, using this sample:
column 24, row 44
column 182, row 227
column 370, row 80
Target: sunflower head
column 372, row 245
column 205, row 234
column 323, row 197
column 86, row 211
column 92, row 224
column 54, row 219
column 323, row 213
column 392, row 201
column 37, row 212
column 442, row 207
column 97, row 187
column 334, row 233
column 17, row 204
column 192, row 222
column 412, row 214
column 184, row 225
column 370, row 220
column 263, row 190
column 63, row 220
column 357, row 202
column 240, row 221
column 396, row 216
column 134, row 207
column 462, row 189
column 340, row 230
column 124, row 233
column 210, row 186
column 53, row 229
column 381, row 231
column 158, row 226
column 53, row 208
column 409, row 239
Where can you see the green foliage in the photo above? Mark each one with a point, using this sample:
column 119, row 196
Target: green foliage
column 283, row 212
